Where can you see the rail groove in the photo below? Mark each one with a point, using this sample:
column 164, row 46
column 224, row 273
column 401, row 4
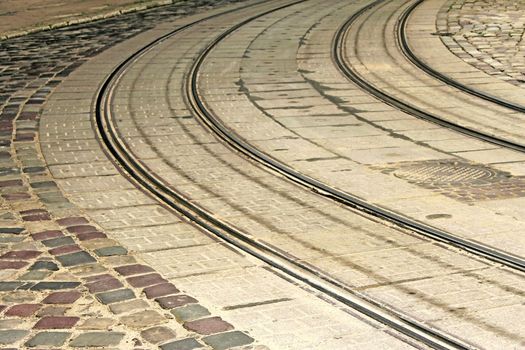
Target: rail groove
column 140, row 175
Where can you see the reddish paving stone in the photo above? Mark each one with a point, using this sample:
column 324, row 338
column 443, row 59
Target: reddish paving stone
column 56, row 322
column 11, row 183
column 90, row 235
column 25, row 137
column 21, row 254
column 81, row 229
column 64, row 249
column 37, row 217
column 2, row 307
column 47, row 235
column 33, row 212
column 135, row 269
column 145, row 280
column 22, row 310
column 209, row 325
column 175, row 301
column 12, row 265
column 62, row 297
column 104, row 285
column 73, row 221
column 160, row 290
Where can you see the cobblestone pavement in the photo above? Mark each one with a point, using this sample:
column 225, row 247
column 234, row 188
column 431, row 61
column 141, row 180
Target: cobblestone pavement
column 87, row 260
column 488, row 35
column 22, row 16
column 155, row 123
column 64, row 283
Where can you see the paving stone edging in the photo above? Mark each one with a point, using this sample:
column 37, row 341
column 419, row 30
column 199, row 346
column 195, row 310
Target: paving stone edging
column 86, row 19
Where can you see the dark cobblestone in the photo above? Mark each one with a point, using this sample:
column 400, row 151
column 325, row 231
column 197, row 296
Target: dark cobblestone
column 48, row 339
column 115, row 296
column 228, row 340
column 184, row 344
column 190, row 312
column 97, row 339
column 78, row 258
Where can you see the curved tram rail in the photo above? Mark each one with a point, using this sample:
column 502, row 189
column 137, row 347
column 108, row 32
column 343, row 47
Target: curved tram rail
column 286, row 263
column 338, row 49
column 412, row 57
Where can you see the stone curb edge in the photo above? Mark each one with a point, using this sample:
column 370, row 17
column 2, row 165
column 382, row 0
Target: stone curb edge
column 87, row 19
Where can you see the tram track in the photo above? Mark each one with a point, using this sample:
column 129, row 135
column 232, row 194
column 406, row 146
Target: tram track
column 355, row 77
column 205, row 220
column 242, row 146
column 402, row 39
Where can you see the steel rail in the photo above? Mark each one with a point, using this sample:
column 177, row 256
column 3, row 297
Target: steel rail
column 402, row 39
column 488, row 252
column 242, row 146
column 288, row 264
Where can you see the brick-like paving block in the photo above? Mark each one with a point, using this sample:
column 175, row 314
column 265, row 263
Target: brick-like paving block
column 228, row 340
column 172, row 301
column 160, row 290
column 48, row 339
column 110, row 251
column 21, row 254
column 44, row 265
column 39, row 236
column 22, row 310
column 78, row 258
column 143, row 319
column 145, row 280
column 104, row 285
column 56, row 322
column 97, row 339
column 190, row 312
column 209, row 325
column 62, row 297
column 65, row 249
column 134, row 269
column 159, row 334
column 12, row 265
column 128, row 306
column 11, row 336
column 115, row 296
column 58, row 242
column 184, row 344
column 7, row 286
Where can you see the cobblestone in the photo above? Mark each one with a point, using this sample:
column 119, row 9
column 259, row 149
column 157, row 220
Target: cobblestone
column 184, row 344
column 97, row 339
column 227, row 340
column 488, row 35
column 48, row 339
